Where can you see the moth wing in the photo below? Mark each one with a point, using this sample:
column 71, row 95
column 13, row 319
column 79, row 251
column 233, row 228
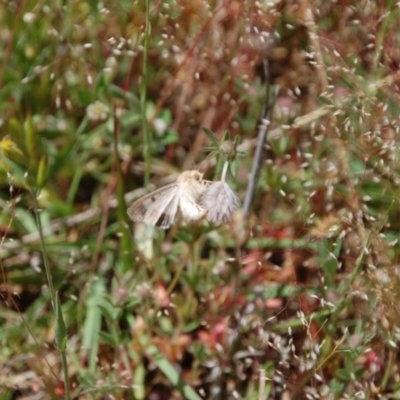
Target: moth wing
column 157, row 208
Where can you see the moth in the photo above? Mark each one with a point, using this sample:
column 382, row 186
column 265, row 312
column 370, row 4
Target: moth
column 159, row 208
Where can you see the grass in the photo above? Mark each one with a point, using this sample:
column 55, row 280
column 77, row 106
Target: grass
column 101, row 103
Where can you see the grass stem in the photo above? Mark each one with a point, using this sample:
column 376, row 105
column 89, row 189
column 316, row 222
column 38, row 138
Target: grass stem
column 143, row 99
column 60, row 325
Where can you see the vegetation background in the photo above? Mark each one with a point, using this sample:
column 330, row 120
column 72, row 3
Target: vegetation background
column 102, row 99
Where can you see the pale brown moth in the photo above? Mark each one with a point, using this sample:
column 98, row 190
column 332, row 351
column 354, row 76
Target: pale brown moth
column 159, row 208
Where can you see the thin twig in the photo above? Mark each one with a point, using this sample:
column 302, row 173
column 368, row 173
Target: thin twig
column 263, row 127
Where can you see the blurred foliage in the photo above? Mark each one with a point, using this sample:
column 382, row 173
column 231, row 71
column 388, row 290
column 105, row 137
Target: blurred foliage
column 306, row 290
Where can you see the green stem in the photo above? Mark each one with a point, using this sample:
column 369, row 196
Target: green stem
column 126, row 242
column 44, row 253
column 175, row 279
column 59, row 319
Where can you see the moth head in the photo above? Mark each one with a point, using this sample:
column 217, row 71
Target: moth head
column 190, row 175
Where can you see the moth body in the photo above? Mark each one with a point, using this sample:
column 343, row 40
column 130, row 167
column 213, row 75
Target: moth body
column 191, row 187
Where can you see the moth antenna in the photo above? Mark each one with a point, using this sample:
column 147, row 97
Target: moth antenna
column 201, row 165
column 191, row 155
column 197, row 167
column 206, row 164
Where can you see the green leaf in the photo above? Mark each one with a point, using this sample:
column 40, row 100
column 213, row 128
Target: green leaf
column 226, row 136
column 42, row 172
column 170, row 137
column 236, row 141
column 31, row 140
column 92, row 324
column 107, row 313
column 85, row 96
column 344, row 374
column 170, row 372
column 108, row 339
column 139, row 382
column 211, row 136
column 337, row 387
column 233, row 167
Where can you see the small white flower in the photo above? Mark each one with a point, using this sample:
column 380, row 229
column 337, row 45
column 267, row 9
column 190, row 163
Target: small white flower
column 160, row 126
column 220, row 201
column 29, row 17
column 97, row 111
